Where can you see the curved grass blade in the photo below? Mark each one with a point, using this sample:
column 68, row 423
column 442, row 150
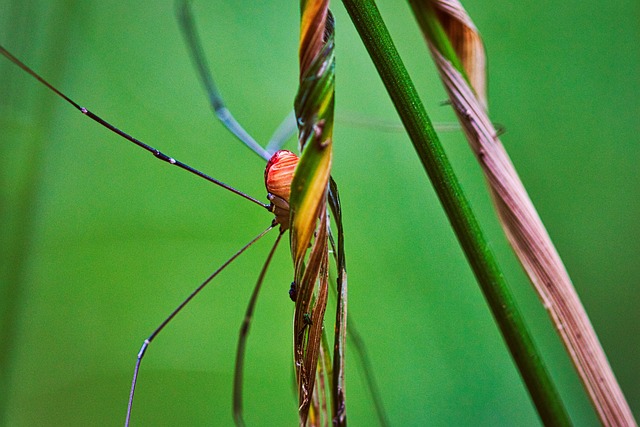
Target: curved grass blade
column 459, row 55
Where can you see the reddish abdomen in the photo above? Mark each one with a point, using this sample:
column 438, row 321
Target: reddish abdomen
column 279, row 173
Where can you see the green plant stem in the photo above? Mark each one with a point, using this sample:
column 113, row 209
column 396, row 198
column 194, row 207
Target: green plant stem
column 379, row 44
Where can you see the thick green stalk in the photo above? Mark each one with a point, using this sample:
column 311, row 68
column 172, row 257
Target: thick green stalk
column 379, row 44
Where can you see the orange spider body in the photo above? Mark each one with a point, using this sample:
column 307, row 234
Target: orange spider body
column 277, row 178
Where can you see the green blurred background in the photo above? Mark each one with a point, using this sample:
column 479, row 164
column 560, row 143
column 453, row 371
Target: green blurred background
column 100, row 241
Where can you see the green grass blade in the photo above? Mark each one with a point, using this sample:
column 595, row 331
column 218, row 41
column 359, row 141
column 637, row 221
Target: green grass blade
column 377, row 40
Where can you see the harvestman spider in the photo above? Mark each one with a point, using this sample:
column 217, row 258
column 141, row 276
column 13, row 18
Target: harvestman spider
column 278, row 173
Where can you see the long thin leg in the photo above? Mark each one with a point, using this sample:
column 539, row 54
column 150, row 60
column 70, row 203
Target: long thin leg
column 155, row 333
column 155, row 152
column 367, row 367
column 215, row 99
column 286, row 130
column 244, row 333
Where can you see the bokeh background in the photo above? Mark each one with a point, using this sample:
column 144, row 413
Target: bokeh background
column 100, row 241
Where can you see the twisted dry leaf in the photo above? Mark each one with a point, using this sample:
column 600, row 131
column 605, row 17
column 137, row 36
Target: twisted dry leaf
column 310, row 221
column 518, row 216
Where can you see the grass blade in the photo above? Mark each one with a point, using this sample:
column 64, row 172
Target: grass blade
column 372, row 30
column 459, row 56
column 314, row 112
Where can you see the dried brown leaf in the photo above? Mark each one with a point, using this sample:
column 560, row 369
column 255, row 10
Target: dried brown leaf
column 467, row 43
column 519, row 217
